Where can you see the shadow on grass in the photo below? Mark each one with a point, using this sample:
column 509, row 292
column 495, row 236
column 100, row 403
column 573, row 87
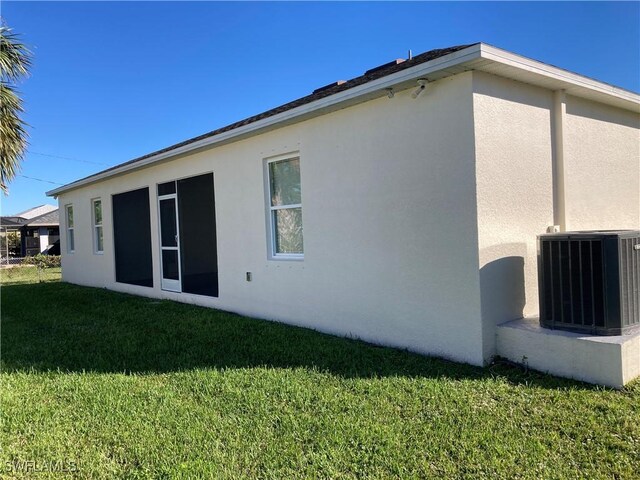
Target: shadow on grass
column 51, row 326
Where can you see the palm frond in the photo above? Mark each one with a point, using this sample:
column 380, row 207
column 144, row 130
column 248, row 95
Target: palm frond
column 15, row 57
column 13, row 134
column 15, row 61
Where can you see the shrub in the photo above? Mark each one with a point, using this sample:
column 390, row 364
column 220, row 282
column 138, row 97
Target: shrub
column 41, row 262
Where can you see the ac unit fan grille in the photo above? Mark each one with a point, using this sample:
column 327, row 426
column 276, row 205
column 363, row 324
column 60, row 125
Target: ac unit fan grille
column 590, row 281
column 573, row 282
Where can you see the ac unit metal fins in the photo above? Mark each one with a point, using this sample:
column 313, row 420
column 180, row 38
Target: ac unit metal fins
column 589, row 282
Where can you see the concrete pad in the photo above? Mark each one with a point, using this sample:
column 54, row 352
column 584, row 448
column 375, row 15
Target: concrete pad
column 605, row 360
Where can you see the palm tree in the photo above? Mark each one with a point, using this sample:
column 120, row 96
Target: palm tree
column 15, row 60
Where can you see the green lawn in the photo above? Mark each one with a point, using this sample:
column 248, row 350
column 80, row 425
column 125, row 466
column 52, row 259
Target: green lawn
column 28, row 274
column 120, row 386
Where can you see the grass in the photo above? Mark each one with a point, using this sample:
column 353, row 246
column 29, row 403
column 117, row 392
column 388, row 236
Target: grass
column 116, row 386
column 28, row 274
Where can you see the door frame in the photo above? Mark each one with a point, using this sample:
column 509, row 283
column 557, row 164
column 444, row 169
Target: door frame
column 168, row 284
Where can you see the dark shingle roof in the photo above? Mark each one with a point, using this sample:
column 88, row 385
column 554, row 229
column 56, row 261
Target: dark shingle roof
column 48, row 219
column 323, row 92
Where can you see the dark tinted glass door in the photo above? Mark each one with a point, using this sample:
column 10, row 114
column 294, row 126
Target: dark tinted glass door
column 198, row 242
column 132, row 237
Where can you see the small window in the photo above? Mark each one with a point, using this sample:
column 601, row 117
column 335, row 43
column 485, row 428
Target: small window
column 71, row 246
column 285, row 208
column 98, row 245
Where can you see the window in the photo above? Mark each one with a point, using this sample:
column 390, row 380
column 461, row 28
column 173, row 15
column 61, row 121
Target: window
column 71, row 247
column 98, row 246
column 285, row 208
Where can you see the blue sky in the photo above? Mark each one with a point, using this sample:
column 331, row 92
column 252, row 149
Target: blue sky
column 115, row 80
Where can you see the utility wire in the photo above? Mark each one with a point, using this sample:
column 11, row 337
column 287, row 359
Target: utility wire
column 40, row 180
column 68, row 158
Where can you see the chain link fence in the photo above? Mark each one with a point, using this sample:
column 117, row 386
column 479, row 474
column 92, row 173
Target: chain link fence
column 36, row 269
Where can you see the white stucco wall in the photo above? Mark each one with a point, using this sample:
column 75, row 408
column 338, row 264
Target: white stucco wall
column 43, row 232
column 515, row 195
column 514, row 138
column 390, row 234
column 602, row 165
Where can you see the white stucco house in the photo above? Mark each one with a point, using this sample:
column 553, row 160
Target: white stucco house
column 401, row 207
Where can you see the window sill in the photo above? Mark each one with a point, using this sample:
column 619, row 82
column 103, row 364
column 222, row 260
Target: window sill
column 287, row 258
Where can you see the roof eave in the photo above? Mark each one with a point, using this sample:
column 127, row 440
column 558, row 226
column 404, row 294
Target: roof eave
column 504, row 63
column 358, row 94
column 479, row 56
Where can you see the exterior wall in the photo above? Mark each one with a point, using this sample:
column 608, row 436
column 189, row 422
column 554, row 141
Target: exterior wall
column 514, row 136
column 515, row 195
column 390, row 234
column 44, row 238
column 37, row 243
column 602, row 165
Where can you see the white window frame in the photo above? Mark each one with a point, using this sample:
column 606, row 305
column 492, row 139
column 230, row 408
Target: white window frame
column 273, row 255
column 70, row 229
column 95, row 226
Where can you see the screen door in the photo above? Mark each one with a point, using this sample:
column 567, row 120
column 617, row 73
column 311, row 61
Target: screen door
column 189, row 254
column 169, row 242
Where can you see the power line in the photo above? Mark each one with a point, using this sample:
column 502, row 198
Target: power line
column 68, row 158
column 40, row 180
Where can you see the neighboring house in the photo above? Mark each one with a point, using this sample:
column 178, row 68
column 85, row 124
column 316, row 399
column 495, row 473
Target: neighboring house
column 400, row 207
column 38, row 232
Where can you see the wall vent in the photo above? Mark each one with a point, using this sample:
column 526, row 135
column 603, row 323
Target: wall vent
column 590, row 281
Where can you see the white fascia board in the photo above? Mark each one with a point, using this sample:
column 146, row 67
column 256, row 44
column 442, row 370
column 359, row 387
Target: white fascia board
column 376, row 88
column 570, row 79
column 318, row 106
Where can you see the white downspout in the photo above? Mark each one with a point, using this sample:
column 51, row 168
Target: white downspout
column 559, row 205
